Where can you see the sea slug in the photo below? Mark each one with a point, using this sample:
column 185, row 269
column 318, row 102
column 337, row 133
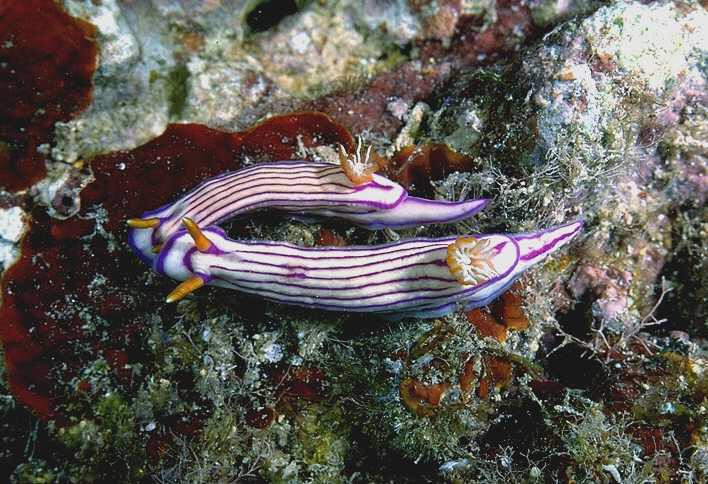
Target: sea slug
column 348, row 191
column 416, row 277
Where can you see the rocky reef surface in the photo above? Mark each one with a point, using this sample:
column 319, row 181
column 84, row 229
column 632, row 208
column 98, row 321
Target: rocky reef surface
column 592, row 368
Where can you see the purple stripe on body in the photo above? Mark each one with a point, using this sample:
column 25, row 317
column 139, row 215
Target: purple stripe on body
column 298, row 299
column 288, row 298
column 343, row 211
column 340, row 258
column 393, row 270
column 244, row 171
column 304, row 204
column 262, row 168
column 346, row 253
column 423, row 311
column 417, row 211
column 225, row 178
column 410, row 302
column 282, row 286
column 204, row 219
column 547, row 247
column 249, row 182
column 201, row 196
column 216, row 210
column 483, row 302
column 539, row 233
column 267, row 243
column 350, row 277
column 229, row 186
column 160, row 261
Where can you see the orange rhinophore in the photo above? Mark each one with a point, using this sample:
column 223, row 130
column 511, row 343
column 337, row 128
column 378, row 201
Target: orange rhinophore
column 184, row 288
column 201, row 241
column 143, row 223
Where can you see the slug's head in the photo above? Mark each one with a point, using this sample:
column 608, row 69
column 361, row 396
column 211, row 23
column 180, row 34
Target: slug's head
column 471, row 260
column 180, row 258
column 141, row 237
column 148, row 234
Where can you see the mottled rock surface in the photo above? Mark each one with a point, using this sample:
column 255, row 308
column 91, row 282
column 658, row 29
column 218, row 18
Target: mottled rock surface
column 592, row 368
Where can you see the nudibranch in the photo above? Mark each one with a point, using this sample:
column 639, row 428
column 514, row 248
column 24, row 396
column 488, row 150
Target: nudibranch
column 349, row 191
column 415, row 277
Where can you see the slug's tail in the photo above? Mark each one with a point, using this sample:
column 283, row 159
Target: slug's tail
column 536, row 246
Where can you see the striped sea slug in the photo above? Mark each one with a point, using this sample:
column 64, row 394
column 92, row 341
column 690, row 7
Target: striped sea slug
column 349, row 191
column 416, row 277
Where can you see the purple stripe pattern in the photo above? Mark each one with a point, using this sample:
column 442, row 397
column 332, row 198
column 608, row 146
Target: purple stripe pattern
column 403, row 279
column 299, row 188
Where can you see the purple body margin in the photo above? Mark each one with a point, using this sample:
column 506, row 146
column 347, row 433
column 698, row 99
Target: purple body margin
column 303, row 189
column 402, row 279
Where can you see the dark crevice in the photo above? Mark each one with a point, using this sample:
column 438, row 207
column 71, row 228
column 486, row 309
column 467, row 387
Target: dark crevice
column 269, row 13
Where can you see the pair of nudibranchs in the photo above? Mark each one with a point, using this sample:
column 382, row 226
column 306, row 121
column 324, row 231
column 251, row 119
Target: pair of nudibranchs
column 420, row 277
